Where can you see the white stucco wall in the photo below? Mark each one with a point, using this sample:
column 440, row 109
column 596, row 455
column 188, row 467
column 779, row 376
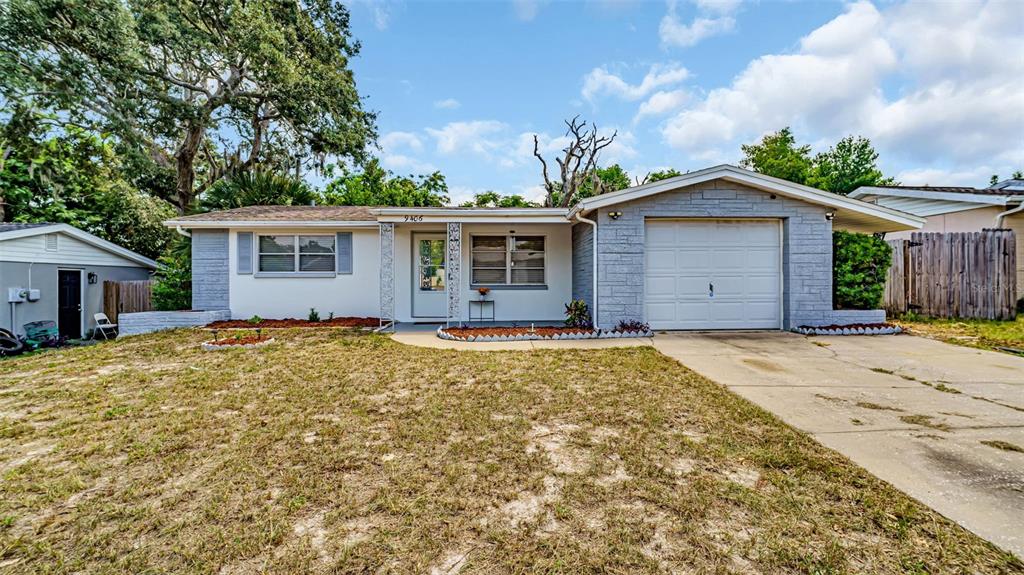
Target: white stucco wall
column 965, row 221
column 354, row 294
column 510, row 305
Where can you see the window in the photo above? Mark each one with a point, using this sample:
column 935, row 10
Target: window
column 302, row 254
column 507, row 260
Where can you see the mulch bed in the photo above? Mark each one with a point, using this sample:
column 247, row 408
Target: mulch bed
column 245, row 340
column 333, row 322
column 498, row 331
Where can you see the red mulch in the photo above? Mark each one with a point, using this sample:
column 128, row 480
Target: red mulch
column 543, row 331
column 334, row 322
column 245, row 340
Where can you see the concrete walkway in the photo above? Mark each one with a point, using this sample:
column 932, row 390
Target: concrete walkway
column 890, row 404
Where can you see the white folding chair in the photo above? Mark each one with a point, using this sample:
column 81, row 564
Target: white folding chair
column 102, row 325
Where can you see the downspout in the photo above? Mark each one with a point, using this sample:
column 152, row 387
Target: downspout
column 593, row 224
column 182, row 231
column 1001, row 215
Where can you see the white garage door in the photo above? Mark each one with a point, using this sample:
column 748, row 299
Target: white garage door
column 713, row 274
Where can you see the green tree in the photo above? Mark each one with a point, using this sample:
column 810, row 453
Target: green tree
column 75, row 178
column 610, row 179
column 204, row 88
column 258, row 189
column 375, row 186
column 661, row 175
column 850, row 164
column 491, row 199
column 778, row 155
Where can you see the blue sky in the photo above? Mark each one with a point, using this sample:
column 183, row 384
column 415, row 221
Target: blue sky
column 461, row 87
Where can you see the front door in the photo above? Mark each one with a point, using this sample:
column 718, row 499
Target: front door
column 429, row 299
column 69, row 303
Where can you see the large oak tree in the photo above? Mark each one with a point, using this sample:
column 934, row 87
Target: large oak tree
column 199, row 88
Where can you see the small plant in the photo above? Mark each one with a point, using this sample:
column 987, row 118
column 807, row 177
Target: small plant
column 577, row 314
column 483, row 291
column 633, row 325
column 859, row 266
column 313, row 315
column 330, row 316
column 255, row 320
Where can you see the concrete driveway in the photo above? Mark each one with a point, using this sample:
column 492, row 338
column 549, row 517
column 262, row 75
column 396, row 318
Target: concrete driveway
column 923, row 415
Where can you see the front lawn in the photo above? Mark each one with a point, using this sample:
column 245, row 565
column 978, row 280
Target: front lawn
column 980, row 333
column 331, row 452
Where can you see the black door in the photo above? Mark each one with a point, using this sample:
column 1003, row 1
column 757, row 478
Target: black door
column 69, row 303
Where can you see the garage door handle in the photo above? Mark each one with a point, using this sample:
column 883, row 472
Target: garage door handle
column 711, row 290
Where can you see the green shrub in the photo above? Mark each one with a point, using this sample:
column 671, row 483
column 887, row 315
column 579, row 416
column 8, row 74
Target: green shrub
column 173, row 288
column 577, row 314
column 859, row 265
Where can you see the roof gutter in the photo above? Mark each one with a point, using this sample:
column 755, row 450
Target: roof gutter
column 593, row 225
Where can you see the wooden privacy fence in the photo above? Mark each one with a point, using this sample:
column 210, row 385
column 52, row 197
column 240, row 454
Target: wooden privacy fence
column 968, row 275
column 127, row 297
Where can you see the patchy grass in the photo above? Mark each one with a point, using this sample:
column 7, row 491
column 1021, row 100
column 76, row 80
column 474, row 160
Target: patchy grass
column 925, row 421
column 1004, row 445
column 984, row 334
column 343, row 453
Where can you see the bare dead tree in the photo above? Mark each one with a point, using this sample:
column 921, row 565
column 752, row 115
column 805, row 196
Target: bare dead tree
column 577, row 164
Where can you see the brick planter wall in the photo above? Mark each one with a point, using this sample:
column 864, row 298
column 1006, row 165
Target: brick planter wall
column 150, row 321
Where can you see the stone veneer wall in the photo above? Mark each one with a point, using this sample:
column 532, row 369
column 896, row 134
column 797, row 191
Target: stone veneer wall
column 583, row 264
column 210, row 271
column 150, row 321
column 806, row 248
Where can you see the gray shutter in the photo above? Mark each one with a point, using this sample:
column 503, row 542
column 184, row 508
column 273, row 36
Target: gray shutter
column 343, row 247
column 244, row 253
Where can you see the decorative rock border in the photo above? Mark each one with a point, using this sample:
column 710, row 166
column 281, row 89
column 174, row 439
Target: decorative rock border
column 869, row 329
column 210, row 346
column 595, row 334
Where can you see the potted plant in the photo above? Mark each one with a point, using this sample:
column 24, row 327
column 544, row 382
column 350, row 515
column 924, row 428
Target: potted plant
column 483, row 291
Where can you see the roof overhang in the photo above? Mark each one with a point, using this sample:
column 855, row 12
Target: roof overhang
column 220, row 224
column 472, row 215
column 82, row 236
column 849, row 213
column 986, row 199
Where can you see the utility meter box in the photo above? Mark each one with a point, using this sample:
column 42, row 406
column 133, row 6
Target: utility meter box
column 15, row 295
column 33, row 295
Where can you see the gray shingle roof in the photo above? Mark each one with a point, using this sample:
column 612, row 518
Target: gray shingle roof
column 957, row 190
column 11, row 227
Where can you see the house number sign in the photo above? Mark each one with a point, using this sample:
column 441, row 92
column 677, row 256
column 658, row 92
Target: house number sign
column 414, row 218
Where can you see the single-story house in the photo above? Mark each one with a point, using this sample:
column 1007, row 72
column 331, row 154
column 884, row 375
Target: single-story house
column 719, row 248
column 957, row 209
column 56, row 272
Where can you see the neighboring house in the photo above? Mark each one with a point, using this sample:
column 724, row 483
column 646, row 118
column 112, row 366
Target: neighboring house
column 721, row 248
column 56, row 272
column 957, row 209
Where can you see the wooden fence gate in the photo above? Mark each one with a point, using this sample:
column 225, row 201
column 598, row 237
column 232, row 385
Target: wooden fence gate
column 127, row 297
column 968, row 275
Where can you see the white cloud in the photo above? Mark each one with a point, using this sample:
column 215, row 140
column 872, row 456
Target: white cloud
column 526, row 10
column 447, row 104
column 909, row 78
column 381, row 10
column 395, row 140
column 717, row 18
column 661, row 103
column 479, row 136
column 601, row 82
column 976, row 177
column 406, row 164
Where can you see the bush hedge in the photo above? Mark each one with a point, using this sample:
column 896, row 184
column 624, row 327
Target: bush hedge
column 859, row 265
